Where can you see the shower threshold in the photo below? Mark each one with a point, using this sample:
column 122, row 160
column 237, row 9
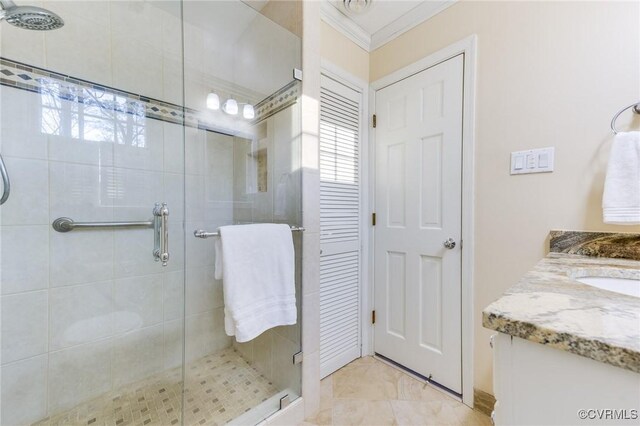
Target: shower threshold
column 220, row 388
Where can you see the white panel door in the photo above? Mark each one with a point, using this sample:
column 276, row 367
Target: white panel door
column 418, row 207
column 339, row 225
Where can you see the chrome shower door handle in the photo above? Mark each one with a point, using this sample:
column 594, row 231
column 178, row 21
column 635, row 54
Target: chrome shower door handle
column 6, row 183
column 450, row 244
column 161, row 230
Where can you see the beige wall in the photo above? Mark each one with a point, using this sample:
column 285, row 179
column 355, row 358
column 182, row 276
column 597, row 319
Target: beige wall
column 286, row 13
column 549, row 74
column 339, row 50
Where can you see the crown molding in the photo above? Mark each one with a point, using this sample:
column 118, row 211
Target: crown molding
column 341, row 22
column 369, row 42
column 411, row 19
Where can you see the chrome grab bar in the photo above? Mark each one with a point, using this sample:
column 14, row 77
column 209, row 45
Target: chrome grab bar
column 6, row 188
column 65, row 224
column 161, row 250
column 160, row 225
column 201, row 233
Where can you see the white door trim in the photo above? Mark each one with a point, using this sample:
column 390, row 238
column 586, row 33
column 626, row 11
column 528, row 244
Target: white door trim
column 467, row 46
column 337, row 73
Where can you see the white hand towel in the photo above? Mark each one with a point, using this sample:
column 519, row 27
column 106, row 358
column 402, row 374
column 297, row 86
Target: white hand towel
column 258, row 269
column 621, row 199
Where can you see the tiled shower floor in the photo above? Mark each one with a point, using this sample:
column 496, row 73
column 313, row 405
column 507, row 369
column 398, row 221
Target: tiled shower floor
column 219, row 388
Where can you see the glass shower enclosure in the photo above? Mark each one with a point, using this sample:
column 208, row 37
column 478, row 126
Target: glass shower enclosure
column 124, row 132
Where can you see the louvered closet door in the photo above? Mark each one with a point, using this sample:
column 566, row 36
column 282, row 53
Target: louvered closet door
column 339, row 226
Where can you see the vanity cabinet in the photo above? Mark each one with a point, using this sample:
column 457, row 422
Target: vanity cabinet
column 536, row 384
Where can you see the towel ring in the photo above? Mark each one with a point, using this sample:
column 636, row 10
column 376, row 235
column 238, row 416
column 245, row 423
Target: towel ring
column 636, row 109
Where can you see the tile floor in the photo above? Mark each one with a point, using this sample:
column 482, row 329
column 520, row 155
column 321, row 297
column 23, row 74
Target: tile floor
column 222, row 386
column 372, row 393
column 219, row 388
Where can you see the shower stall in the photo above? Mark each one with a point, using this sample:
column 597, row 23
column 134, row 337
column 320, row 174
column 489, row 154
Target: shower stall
column 125, row 128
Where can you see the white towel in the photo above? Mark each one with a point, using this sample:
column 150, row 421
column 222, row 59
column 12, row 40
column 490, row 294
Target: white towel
column 621, row 199
column 257, row 266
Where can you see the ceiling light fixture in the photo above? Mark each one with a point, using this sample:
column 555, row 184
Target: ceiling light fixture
column 230, row 107
column 356, row 6
column 248, row 112
column 213, row 101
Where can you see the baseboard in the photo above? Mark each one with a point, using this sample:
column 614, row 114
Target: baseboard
column 483, row 401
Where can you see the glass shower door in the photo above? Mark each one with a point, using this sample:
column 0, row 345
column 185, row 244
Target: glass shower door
column 92, row 269
column 242, row 166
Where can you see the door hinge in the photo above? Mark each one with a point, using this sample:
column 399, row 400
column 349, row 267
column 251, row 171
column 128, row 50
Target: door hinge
column 374, row 121
column 373, row 219
column 373, row 317
column 297, row 358
column 285, row 401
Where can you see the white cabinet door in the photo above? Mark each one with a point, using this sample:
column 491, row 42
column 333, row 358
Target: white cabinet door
column 418, row 208
column 339, row 225
column 537, row 384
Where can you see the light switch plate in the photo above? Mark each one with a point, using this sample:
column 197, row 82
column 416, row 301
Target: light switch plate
column 532, row 161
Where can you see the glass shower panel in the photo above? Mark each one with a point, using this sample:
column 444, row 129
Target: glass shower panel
column 242, row 156
column 91, row 131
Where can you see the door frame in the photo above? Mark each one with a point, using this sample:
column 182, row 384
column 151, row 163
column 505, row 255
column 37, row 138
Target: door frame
column 337, row 73
column 468, row 47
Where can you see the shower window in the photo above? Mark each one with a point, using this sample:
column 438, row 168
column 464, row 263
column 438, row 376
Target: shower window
column 91, row 115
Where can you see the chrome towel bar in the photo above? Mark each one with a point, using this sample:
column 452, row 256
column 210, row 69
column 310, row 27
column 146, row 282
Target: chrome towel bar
column 201, row 233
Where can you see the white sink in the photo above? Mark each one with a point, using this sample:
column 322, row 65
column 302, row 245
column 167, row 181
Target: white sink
column 628, row 286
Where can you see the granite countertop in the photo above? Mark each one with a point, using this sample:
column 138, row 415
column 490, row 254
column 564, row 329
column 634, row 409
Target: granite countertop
column 547, row 306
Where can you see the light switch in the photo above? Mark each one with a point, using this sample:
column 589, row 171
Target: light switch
column 532, row 161
column 519, row 163
column 543, row 160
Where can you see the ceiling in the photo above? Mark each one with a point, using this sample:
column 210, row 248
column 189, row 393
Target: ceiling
column 382, row 21
column 380, row 13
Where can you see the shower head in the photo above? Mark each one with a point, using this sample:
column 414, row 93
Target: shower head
column 29, row 17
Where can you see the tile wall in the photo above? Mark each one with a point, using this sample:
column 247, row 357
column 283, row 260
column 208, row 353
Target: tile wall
column 85, row 312
column 279, row 136
column 138, row 46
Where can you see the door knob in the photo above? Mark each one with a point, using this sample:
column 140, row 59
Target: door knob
column 450, row 243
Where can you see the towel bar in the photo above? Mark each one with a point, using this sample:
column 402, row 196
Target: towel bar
column 201, row 233
column 636, row 109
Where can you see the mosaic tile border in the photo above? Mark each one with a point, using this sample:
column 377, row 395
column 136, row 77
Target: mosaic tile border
column 27, row 77
column 597, row 244
column 281, row 99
